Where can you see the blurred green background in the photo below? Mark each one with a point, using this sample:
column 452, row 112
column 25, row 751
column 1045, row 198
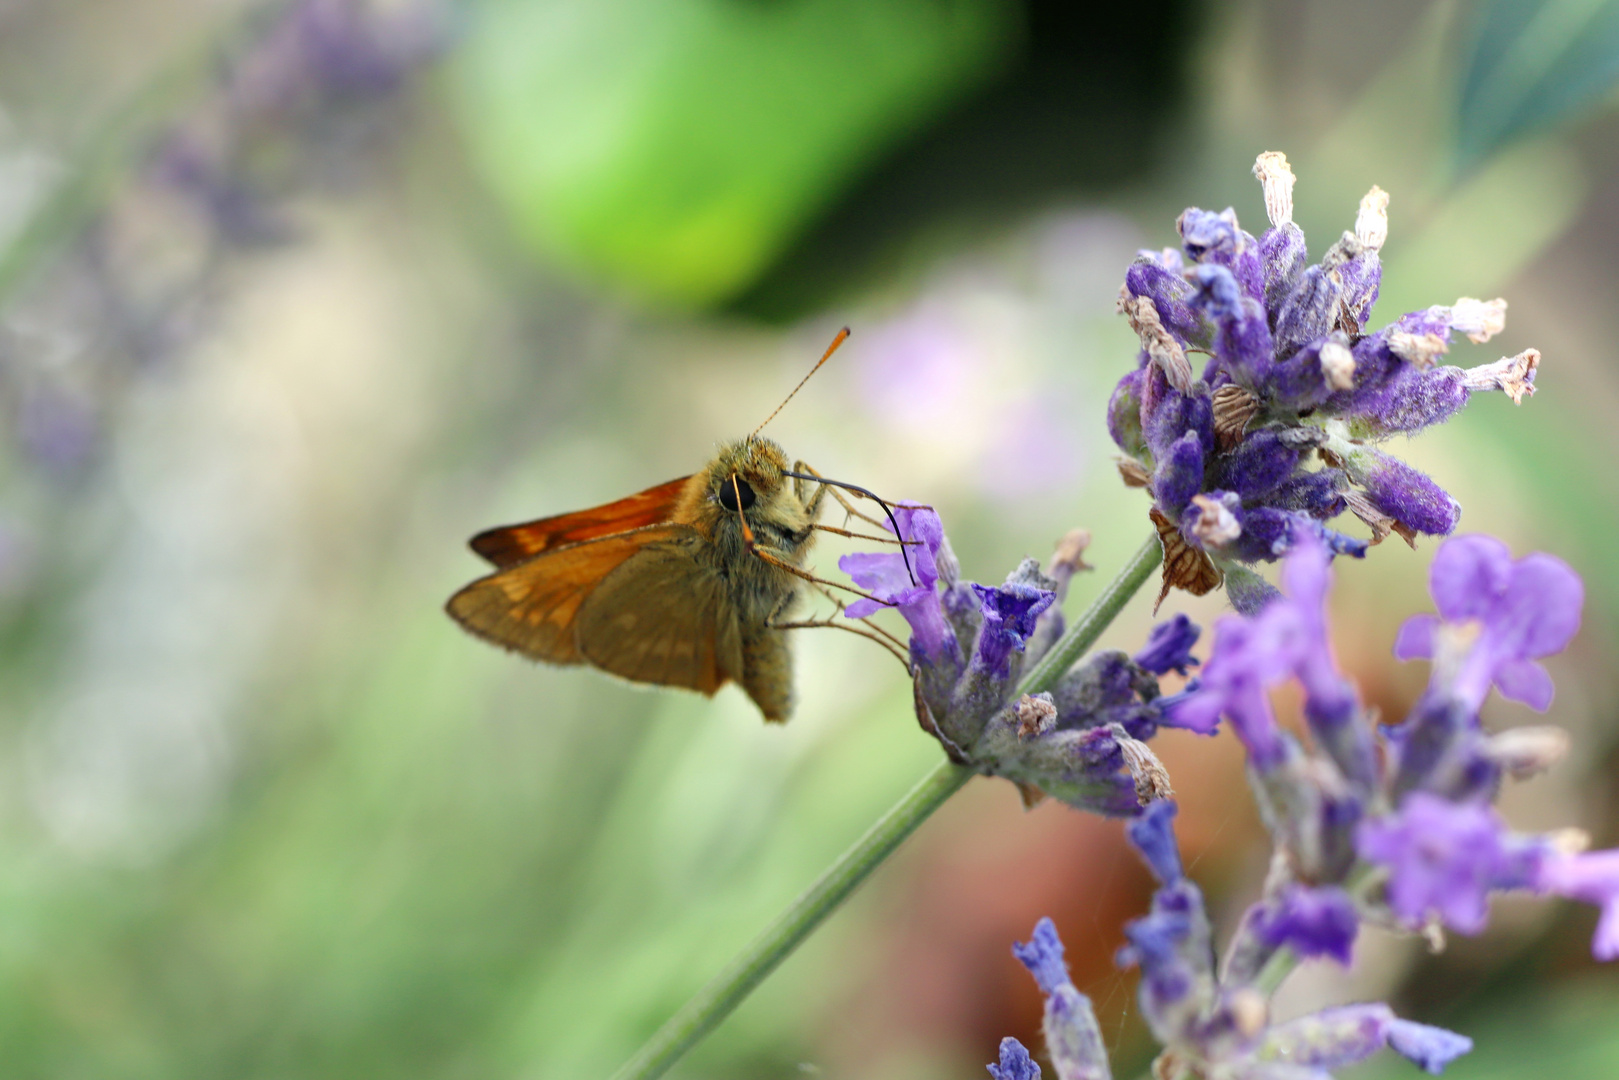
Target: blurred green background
column 296, row 296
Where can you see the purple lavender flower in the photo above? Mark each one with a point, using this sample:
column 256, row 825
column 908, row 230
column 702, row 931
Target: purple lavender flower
column 889, row 576
column 1009, row 613
column 1310, row 921
column 1015, row 1063
column 1073, row 1038
column 1287, row 639
column 1592, row 878
column 1443, row 859
column 1338, row 1037
column 1277, row 432
column 1496, row 618
column 1084, row 742
column 1169, row 647
column 1153, row 835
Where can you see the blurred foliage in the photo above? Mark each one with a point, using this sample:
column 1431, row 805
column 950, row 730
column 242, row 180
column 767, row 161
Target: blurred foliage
column 673, row 147
column 1530, row 64
column 704, row 151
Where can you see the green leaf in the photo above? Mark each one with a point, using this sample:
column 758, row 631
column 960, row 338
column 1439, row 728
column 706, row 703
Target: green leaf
column 1532, row 64
column 673, row 148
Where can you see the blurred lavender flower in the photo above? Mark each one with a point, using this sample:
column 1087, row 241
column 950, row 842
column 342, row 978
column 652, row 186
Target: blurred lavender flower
column 309, row 77
column 302, row 93
column 1294, row 380
column 1084, row 742
column 1504, row 614
column 1209, row 1023
column 1395, row 823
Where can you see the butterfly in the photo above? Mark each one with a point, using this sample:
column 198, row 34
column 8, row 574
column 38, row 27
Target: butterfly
column 686, row 584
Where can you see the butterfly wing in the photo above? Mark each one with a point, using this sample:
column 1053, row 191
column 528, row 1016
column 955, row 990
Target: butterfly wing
column 509, row 545
column 531, row 606
column 664, row 617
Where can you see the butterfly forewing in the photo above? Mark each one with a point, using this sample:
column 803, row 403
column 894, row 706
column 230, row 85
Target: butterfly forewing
column 663, row 617
column 511, row 544
column 532, row 606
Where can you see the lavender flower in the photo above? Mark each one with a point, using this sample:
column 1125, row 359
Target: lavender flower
column 1496, row 618
column 1592, row 878
column 889, row 576
column 1169, row 647
column 1275, row 437
column 1015, row 1063
column 1218, row 1024
column 1073, row 1038
column 1443, row 859
column 1310, row 921
column 1408, row 833
column 1084, row 742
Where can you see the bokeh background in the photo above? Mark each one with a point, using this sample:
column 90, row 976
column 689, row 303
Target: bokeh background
column 296, row 296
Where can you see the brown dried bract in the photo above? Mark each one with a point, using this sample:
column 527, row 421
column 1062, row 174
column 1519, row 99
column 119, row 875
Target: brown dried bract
column 1160, row 344
column 1132, row 472
column 1035, row 715
column 1380, row 523
column 1233, row 408
column 1070, row 553
column 1032, row 794
column 1150, row 776
column 1185, row 567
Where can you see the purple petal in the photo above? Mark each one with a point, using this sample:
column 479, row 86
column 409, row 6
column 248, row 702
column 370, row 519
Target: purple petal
column 1467, row 574
column 1592, row 878
column 1307, row 571
column 1193, row 710
column 1153, row 834
column 883, row 574
column 1540, row 608
column 1431, row 1048
column 1042, row 955
column 1415, row 640
column 1526, row 681
column 1169, row 646
column 1311, row 921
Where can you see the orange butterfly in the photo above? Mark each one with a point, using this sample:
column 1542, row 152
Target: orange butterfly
column 684, row 584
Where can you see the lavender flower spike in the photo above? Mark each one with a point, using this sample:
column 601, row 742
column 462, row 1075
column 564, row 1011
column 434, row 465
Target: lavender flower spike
column 1337, row 1037
column 1073, row 1038
column 1281, row 429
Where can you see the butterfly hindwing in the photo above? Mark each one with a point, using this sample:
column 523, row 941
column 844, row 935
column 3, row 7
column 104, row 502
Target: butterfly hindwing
column 663, row 617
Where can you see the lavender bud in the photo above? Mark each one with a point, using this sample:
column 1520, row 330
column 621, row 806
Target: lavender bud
column 1170, row 294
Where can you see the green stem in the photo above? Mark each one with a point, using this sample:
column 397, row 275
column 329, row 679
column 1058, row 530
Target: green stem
column 714, row 1002
column 1103, row 610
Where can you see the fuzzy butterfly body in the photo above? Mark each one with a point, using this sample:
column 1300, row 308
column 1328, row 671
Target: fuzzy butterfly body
column 681, row 585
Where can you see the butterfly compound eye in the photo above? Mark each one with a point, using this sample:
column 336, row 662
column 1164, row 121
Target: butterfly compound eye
column 731, row 489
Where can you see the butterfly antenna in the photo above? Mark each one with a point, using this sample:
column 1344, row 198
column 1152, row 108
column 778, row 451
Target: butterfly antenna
column 842, row 336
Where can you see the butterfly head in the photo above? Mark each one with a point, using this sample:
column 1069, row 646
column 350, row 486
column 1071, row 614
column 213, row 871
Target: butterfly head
column 747, row 475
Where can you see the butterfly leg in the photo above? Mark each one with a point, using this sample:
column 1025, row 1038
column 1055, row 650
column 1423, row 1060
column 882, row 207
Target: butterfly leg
column 813, row 503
